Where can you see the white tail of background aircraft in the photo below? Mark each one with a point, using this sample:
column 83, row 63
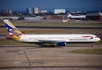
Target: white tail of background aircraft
column 52, row 39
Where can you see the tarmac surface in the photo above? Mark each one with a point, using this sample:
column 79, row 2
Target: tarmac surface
column 47, row 58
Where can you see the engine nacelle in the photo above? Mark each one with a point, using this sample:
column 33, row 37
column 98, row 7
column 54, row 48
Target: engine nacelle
column 61, row 43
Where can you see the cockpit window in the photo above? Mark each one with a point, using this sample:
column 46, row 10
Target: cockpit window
column 96, row 37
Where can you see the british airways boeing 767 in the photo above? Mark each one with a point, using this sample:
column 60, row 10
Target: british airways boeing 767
column 52, row 39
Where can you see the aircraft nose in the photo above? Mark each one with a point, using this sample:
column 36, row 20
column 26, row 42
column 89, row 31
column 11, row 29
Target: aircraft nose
column 98, row 39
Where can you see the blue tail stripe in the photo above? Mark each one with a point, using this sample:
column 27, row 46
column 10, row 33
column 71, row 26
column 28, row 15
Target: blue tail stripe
column 8, row 27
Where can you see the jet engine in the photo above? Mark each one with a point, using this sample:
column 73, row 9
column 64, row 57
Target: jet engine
column 61, row 44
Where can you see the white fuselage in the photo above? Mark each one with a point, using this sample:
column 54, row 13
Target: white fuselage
column 59, row 37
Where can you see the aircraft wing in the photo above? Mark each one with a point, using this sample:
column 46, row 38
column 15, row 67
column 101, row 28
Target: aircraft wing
column 54, row 42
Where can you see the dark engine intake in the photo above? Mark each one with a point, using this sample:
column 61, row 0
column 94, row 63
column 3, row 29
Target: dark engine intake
column 61, row 43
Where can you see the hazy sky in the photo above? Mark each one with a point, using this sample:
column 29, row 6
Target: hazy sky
column 69, row 5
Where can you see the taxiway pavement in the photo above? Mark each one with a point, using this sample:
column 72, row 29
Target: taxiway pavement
column 47, row 58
